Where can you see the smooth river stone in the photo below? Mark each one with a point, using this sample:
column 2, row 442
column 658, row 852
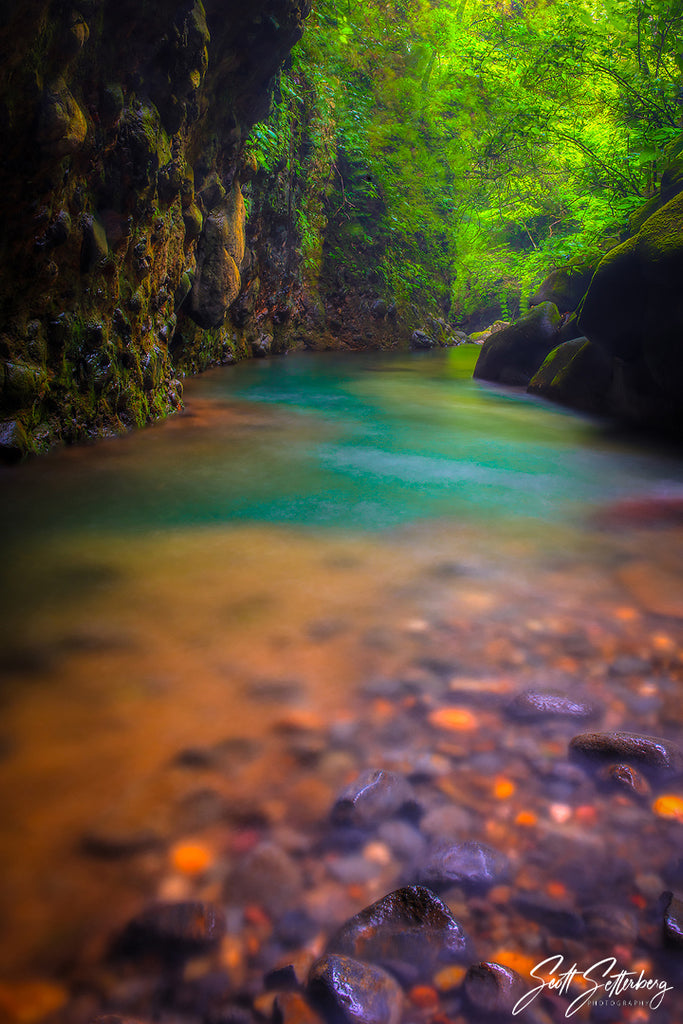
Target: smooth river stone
column 651, row 753
column 673, row 920
column 174, row 930
column 346, row 991
column 536, row 706
column 409, row 932
column 472, row 865
column 492, row 988
column 374, row 796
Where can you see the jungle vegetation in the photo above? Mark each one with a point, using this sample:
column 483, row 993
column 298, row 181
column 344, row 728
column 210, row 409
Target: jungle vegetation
column 467, row 147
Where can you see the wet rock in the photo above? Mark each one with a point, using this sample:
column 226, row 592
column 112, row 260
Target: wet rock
column 626, row 779
column 673, row 919
column 374, row 796
column 513, row 355
column 295, row 928
column 111, row 844
column 267, row 876
column 95, row 248
column 446, row 822
column 556, row 918
column 491, row 988
column 404, row 841
column 651, row 753
column 611, row 923
column 419, row 340
column 349, row 992
column 353, row 869
column 62, row 127
column 409, row 932
column 13, row 441
column 470, row 864
column 173, row 931
column 293, row 1008
column 262, row 346
column 536, row 706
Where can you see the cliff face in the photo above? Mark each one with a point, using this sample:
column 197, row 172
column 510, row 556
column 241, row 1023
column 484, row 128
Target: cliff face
column 123, row 222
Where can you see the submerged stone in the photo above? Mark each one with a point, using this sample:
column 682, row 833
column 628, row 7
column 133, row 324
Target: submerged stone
column 409, row 932
column 673, row 920
column 374, row 796
column 349, row 992
column 471, row 864
column 535, row 706
column 651, row 753
column 492, row 988
column 173, row 930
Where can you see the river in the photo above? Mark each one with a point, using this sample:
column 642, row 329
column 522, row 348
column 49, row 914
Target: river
column 329, row 563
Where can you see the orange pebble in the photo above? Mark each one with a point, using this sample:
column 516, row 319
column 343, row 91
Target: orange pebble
column 256, row 915
column 449, row 977
column 668, row 805
column 526, row 818
column 586, row 814
column 556, row 889
column 662, row 642
column 453, row 719
column 424, row 996
column 503, row 788
column 383, row 708
column 625, row 614
column 520, row 962
column 191, row 858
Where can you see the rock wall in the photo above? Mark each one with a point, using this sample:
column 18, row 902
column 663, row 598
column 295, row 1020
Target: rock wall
column 123, row 240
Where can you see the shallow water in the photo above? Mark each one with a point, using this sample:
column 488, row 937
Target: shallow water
column 267, row 565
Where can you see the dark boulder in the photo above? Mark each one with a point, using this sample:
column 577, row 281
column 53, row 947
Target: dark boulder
column 577, row 373
column 346, row 991
column 673, row 920
column 634, row 311
column 419, row 340
column 513, row 355
column 408, row 932
column 565, row 287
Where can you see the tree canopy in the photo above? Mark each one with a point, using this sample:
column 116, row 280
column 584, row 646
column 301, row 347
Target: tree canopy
column 472, row 145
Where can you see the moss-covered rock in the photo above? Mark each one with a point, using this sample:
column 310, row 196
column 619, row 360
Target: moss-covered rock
column 565, row 287
column 577, row 373
column 634, row 311
column 513, row 355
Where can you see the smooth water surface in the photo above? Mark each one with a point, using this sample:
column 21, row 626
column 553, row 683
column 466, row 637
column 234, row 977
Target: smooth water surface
column 250, row 569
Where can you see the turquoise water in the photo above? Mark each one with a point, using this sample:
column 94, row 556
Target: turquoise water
column 363, row 442
column 314, row 523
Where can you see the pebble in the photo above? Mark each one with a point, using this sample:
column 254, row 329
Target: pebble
column 347, row 991
column 293, row 1008
column 673, row 920
column 114, row 844
column 173, row 930
column 268, row 877
column 472, row 865
column 404, row 841
column 410, row 932
column 491, row 988
column 374, row 796
column 652, row 753
column 535, row 706
column 550, row 914
column 626, row 779
column 611, row 923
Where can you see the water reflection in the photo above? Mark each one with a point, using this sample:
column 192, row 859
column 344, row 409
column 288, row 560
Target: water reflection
column 329, row 565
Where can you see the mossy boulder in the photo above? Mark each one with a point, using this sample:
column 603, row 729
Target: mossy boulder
column 576, row 373
column 634, row 307
column 565, row 286
column 513, row 355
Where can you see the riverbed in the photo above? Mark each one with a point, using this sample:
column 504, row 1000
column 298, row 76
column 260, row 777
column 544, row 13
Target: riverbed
column 329, row 565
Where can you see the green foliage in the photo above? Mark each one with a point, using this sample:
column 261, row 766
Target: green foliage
column 463, row 149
